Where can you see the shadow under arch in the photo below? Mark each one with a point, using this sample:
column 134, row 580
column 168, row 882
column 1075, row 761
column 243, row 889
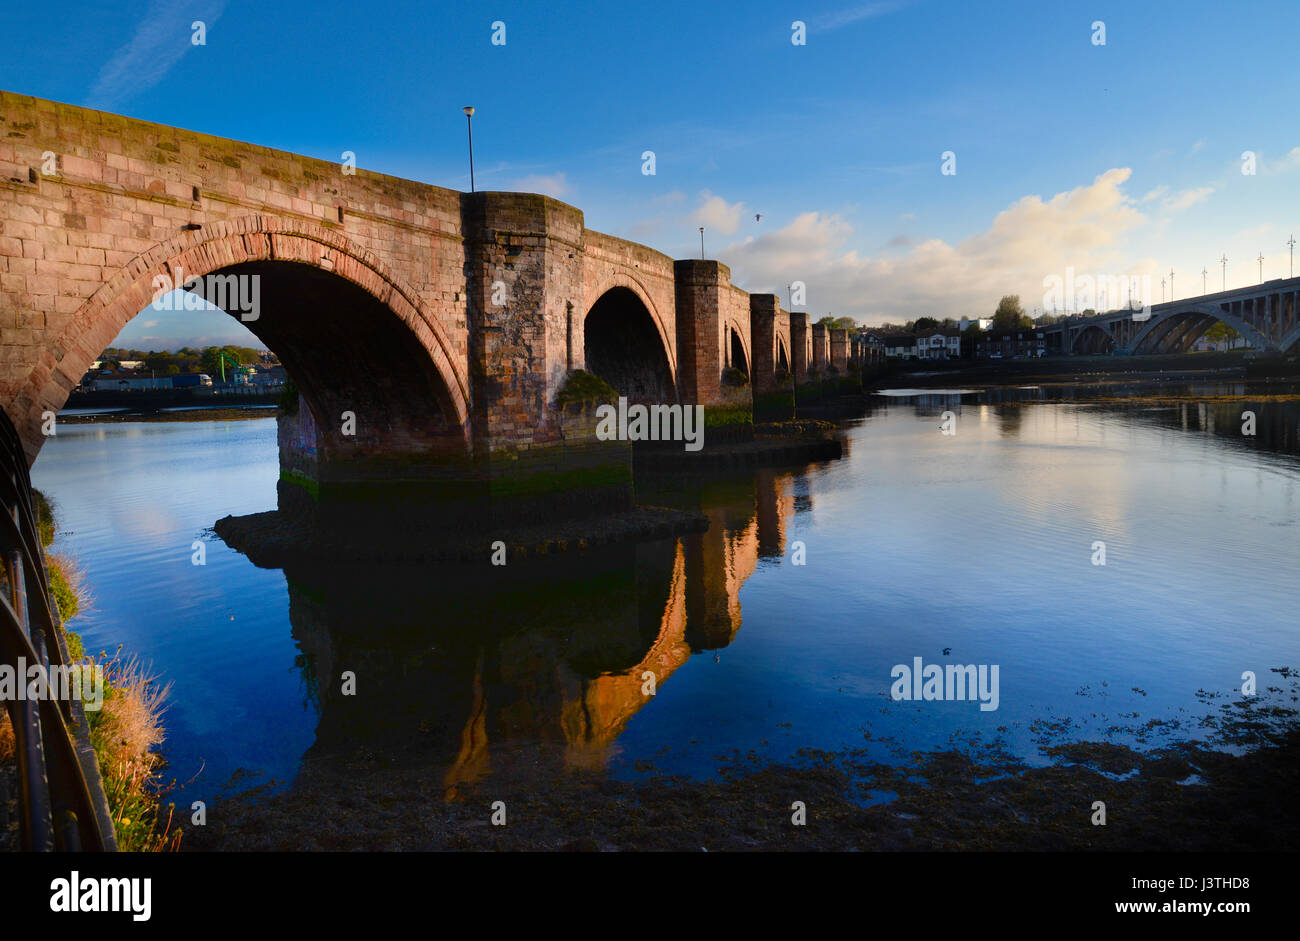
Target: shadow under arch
column 623, row 346
column 1091, row 340
column 739, row 356
column 304, row 254
column 1186, row 326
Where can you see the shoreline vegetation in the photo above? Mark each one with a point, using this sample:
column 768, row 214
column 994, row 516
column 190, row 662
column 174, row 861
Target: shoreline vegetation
column 1219, row 794
column 126, row 732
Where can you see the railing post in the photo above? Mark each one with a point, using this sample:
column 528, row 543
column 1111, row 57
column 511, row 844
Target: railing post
column 37, row 825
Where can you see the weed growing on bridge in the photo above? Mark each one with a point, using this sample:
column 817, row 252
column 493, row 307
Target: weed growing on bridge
column 126, row 733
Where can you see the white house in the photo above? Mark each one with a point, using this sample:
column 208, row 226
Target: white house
column 939, row 344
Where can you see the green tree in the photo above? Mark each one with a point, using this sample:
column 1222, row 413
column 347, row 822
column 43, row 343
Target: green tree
column 1010, row 314
column 838, row 323
column 925, row 323
column 1220, row 332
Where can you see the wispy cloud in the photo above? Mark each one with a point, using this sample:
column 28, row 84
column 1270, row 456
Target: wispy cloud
column 161, row 38
column 1188, row 198
column 865, row 11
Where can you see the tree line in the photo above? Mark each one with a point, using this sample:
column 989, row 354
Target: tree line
column 185, row 360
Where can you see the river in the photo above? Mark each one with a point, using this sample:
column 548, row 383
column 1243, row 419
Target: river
column 775, row 631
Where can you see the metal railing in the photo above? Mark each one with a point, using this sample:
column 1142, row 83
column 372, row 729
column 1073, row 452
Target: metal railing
column 55, row 806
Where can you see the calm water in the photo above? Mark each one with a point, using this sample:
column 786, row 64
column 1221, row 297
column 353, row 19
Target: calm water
column 981, row 542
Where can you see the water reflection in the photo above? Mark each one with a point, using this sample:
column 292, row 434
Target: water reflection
column 466, row 669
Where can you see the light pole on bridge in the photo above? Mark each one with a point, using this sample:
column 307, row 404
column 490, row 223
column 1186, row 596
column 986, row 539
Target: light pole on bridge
column 1171, row 284
column 1260, row 259
column 1162, row 290
column 1291, row 244
column 1224, row 260
column 1204, row 274
column 469, row 126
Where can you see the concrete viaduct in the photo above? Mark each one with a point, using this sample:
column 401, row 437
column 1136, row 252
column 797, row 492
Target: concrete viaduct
column 1265, row 314
column 445, row 322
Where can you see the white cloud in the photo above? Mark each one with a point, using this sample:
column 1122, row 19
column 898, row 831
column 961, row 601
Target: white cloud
column 716, row 214
column 555, row 185
column 1026, row 242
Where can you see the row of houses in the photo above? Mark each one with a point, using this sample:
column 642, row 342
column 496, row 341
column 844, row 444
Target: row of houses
column 945, row 343
column 268, row 377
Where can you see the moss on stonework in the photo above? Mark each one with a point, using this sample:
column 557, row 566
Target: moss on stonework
column 299, row 479
column 584, row 388
column 718, row 417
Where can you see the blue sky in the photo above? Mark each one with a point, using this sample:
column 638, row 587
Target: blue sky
column 1111, row 160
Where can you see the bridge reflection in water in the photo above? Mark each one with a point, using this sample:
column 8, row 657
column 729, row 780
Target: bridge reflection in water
column 469, row 669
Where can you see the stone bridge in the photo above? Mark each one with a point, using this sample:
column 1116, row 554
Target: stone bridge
column 1265, row 314
column 446, row 323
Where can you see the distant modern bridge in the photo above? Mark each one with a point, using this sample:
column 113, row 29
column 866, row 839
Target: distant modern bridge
column 446, row 323
column 1265, row 314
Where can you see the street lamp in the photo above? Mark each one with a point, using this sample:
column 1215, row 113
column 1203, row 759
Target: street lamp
column 1171, row 284
column 1291, row 245
column 1162, row 290
column 1260, row 259
column 701, row 243
column 1224, row 260
column 1204, row 274
column 469, row 126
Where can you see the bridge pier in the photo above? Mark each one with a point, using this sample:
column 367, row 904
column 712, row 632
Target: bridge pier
column 704, row 298
column 773, row 395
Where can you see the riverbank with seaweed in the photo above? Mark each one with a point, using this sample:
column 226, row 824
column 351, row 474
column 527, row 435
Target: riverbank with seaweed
column 1217, row 794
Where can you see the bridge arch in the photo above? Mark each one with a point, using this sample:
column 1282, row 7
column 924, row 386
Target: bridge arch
column 1199, row 317
column 288, row 256
column 1291, row 339
column 737, row 350
column 625, row 344
column 1091, row 340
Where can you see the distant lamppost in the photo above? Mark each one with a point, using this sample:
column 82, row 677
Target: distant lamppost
column 1204, row 274
column 1291, row 245
column 701, row 243
column 1260, row 259
column 1224, row 261
column 1162, row 290
column 469, row 126
column 1171, row 284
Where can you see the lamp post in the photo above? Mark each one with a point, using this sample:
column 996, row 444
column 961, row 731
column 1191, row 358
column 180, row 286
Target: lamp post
column 1162, row 290
column 469, row 126
column 1224, row 261
column 1204, row 274
column 1171, row 284
column 1291, row 244
column 701, row 243
column 1260, row 259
